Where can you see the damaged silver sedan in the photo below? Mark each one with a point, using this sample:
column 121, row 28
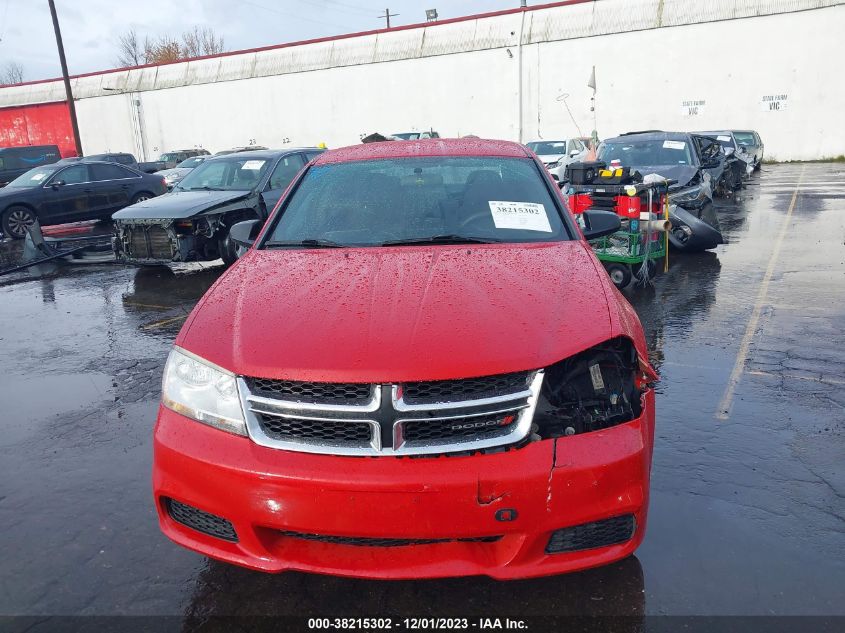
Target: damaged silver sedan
column 192, row 222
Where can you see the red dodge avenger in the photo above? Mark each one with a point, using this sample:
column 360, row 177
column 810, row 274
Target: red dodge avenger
column 417, row 369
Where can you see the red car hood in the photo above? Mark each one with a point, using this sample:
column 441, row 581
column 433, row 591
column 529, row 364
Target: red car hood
column 401, row 313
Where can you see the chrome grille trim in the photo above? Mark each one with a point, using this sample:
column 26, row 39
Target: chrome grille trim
column 295, row 405
column 400, row 405
column 387, row 416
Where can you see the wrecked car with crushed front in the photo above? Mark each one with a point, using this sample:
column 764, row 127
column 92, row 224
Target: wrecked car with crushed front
column 418, row 369
column 192, row 221
column 674, row 156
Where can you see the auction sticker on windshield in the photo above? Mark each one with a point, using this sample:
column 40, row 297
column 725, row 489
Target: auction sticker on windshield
column 254, row 164
column 674, row 144
column 528, row 216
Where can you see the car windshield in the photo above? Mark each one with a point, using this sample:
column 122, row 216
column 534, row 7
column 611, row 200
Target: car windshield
column 650, row 152
column 420, row 200
column 744, row 138
column 542, row 148
column 407, row 136
column 34, row 177
column 191, row 162
column 227, row 174
column 724, row 139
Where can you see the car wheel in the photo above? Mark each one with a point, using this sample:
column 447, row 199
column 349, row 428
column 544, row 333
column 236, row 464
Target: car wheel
column 140, row 197
column 620, row 274
column 16, row 220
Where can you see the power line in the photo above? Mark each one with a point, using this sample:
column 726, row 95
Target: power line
column 339, row 6
column 293, row 15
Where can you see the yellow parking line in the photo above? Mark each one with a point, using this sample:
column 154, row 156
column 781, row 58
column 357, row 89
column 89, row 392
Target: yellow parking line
column 155, row 324
column 723, row 413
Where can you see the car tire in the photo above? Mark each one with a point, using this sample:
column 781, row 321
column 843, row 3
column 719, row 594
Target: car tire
column 141, row 196
column 15, row 220
column 620, row 274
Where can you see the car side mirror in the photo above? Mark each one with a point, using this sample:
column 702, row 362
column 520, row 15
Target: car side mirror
column 574, row 153
column 57, row 183
column 244, row 233
column 600, row 223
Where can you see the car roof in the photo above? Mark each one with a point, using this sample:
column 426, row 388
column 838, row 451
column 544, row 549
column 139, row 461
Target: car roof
column 650, row 135
column 265, row 153
column 424, row 147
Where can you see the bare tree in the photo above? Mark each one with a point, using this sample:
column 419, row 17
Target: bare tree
column 130, row 51
column 201, row 41
column 11, row 73
column 166, row 48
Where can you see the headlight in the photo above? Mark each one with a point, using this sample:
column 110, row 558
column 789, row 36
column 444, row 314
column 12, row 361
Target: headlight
column 202, row 391
column 593, row 390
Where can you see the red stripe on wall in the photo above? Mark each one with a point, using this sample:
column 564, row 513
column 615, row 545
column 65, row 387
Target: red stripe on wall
column 40, row 124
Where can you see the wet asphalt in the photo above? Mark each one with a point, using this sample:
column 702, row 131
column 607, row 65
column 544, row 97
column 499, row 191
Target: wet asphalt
column 747, row 511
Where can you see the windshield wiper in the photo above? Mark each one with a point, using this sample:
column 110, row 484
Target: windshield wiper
column 204, row 188
column 442, row 239
column 312, row 243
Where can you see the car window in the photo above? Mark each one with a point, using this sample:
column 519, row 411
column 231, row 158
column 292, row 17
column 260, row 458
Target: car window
column 744, row 138
column 72, row 175
column 542, row 148
column 284, row 172
column 311, row 155
column 368, row 203
column 124, row 159
column 636, row 153
column 226, row 174
column 109, row 172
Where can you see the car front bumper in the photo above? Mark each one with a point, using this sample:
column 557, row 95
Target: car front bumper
column 491, row 514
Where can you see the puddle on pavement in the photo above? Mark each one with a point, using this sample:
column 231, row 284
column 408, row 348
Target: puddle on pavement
column 42, row 397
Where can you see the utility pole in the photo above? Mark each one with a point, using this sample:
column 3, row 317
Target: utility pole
column 68, row 91
column 387, row 15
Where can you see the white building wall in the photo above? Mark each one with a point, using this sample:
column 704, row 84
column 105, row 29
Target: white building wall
column 463, row 78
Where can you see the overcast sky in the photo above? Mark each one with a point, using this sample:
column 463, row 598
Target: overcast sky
column 90, row 28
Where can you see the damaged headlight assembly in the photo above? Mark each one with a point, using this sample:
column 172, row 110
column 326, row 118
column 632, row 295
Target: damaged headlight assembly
column 201, row 390
column 593, row 390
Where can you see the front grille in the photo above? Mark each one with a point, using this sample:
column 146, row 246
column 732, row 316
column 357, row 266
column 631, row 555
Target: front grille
column 149, row 242
column 138, row 243
column 356, row 419
column 312, row 392
column 297, row 429
column 456, row 428
column 591, row 535
column 200, row 521
column 160, row 247
column 361, row 541
column 435, row 391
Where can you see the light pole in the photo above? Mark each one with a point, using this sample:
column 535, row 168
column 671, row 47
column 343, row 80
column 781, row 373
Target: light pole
column 70, row 105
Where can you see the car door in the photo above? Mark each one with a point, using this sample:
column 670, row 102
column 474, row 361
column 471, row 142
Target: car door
column 281, row 176
column 112, row 188
column 65, row 195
